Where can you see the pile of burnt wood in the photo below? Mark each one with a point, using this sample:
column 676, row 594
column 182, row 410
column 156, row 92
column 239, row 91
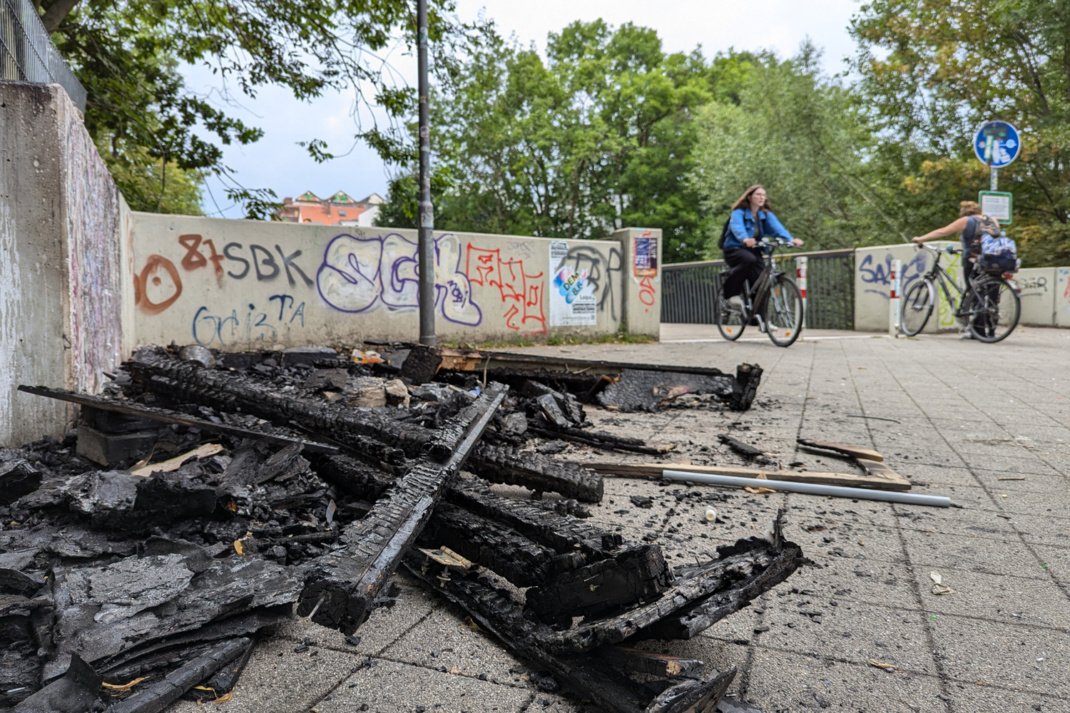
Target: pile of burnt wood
column 161, row 572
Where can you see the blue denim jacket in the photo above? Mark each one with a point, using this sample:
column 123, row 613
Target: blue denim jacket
column 741, row 226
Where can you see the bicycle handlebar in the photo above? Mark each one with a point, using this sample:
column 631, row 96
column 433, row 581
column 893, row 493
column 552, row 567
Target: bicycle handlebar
column 951, row 249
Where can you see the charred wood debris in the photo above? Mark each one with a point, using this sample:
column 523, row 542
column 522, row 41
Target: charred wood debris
column 328, row 477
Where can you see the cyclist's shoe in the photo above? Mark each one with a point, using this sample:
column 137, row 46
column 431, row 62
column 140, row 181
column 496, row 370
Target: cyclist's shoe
column 967, row 335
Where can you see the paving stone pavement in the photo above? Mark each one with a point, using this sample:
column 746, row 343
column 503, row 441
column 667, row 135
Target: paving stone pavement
column 986, row 425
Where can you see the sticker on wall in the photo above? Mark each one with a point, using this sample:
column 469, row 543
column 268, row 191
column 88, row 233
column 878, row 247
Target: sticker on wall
column 645, row 250
column 572, row 300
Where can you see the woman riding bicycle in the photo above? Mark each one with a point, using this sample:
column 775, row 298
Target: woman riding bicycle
column 752, row 219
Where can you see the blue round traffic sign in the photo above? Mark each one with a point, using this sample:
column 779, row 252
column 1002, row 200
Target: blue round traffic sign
column 997, row 144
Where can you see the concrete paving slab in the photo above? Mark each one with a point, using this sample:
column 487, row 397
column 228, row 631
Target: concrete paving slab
column 1013, row 600
column 782, row 681
column 393, row 687
column 1027, row 658
column 999, row 557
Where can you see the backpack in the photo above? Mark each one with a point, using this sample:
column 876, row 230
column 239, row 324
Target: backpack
column 996, row 253
column 724, row 232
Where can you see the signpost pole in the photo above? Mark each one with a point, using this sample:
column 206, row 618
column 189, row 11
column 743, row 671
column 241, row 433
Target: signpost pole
column 993, row 178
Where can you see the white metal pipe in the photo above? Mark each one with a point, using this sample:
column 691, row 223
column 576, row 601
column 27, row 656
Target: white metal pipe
column 939, row 501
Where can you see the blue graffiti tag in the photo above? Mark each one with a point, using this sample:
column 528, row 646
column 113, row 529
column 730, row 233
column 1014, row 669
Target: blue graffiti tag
column 881, row 274
column 254, row 325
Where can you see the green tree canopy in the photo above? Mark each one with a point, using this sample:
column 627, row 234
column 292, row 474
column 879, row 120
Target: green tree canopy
column 799, row 134
column 595, row 137
column 128, row 53
column 932, row 71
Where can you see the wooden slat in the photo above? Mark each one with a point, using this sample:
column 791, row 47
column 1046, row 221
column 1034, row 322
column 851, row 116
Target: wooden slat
column 881, row 477
column 843, row 449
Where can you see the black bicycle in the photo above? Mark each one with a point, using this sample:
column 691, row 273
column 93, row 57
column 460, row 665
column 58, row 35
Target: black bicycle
column 989, row 307
column 782, row 316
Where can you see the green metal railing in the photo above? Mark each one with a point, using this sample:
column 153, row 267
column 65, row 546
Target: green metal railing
column 687, row 289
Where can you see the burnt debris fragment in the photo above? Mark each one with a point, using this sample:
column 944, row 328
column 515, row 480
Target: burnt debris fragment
column 208, row 497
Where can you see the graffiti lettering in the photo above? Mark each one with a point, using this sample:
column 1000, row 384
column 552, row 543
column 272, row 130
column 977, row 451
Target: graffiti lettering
column 155, row 291
column 252, row 326
column 193, row 259
column 358, row 273
column 646, row 292
column 1032, row 285
column 880, row 274
column 521, row 291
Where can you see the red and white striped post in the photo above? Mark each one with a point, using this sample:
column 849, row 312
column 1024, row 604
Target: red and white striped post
column 800, row 280
column 894, row 291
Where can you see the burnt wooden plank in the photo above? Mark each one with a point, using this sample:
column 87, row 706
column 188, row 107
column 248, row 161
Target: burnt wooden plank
column 341, row 587
column 650, row 662
column 167, row 416
column 843, row 449
column 634, row 574
column 535, row 471
column 494, row 609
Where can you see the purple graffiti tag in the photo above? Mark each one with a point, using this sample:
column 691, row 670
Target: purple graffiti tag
column 359, row 273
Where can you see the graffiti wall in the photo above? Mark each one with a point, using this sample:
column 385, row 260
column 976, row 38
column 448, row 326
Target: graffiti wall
column 1037, row 295
column 245, row 284
column 873, row 268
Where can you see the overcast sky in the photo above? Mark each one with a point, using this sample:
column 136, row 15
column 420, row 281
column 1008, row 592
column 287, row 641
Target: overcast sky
column 278, row 163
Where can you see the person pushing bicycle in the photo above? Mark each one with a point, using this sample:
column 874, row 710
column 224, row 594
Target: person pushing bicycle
column 752, row 219
column 971, row 225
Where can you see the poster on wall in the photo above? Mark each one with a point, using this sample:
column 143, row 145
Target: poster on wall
column 572, row 301
column 645, row 251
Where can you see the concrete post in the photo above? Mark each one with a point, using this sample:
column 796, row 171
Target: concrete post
column 896, row 278
column 800, row 281
column 641, row 280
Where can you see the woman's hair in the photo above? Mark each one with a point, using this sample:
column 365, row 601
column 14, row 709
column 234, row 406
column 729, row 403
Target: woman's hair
column 744, row 200
column 968, row 208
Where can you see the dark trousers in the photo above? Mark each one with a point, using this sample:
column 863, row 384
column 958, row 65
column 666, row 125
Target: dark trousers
column 744, row 264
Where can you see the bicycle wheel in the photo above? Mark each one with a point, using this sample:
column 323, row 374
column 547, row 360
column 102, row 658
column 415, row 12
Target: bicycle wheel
column 916, row 307
column 729, row 316
column 993, row 310
column 784, row 312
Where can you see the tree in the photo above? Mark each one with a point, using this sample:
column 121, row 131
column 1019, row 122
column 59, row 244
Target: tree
column 799, row 134
column 596, row 137
column 127, row 54
column 933, row 71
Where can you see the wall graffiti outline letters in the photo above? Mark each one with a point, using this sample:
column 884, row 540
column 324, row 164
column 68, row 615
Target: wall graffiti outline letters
column 523, row 292
column 880, row 274
column 356, row 274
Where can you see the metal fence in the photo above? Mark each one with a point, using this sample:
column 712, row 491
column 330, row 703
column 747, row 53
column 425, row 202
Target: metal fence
column 27, row 53
column 687, row 290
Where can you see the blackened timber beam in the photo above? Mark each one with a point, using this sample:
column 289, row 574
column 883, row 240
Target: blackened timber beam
column 634, row 574
column 650, row 662
column 158, row 696
column 131, row 408
column 341, row 587
column 495, row 610
column 562, row 533
column 361, row 432
column 604, row 441
column 537, row 472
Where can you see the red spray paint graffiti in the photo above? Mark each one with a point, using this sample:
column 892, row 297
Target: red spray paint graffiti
column 523, row 293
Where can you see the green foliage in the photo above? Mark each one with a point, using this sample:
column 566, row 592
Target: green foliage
column 127, row 54
column 933, row 71
column 152, row 186
column 799, row 134
column 592, row 139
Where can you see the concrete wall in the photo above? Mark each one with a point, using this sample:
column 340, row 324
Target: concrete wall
column 873, row 283
column 61, row 317
column 1062, row 297
column 242, row 284
column 1037, row 295
column 641, row 253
